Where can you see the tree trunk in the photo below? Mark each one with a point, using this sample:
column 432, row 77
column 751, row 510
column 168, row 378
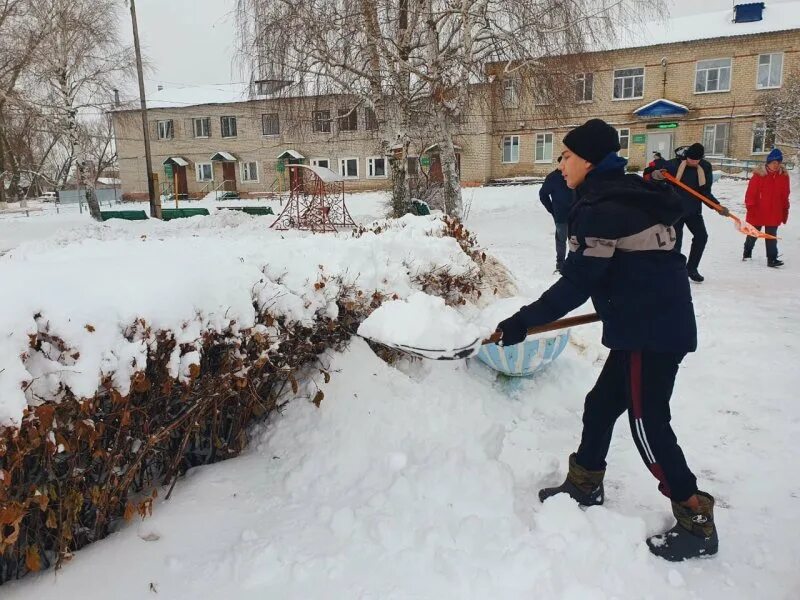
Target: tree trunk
column 451, row 187
column 401, row 192
column 3, row 203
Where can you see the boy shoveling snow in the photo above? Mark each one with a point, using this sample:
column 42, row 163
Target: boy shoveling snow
column 622, row 240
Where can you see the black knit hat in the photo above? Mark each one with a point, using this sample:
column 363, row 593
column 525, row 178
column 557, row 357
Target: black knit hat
column 696, row 151
column 593, row 141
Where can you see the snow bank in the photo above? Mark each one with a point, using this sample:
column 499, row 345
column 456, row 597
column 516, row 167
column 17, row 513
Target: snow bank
column 423, row 321
column 83, row 291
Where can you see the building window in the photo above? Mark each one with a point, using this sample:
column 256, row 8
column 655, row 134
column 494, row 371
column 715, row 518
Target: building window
column 544, row 148
column 712, row 76
column 715, row 139
column 376, row 167
column 370, row 120
column 348, row 168
column 204, row 171
column 624, row 141
column 228, row 126
column 321, row 121
column 763, row 138
column 511, row 149
column 770, row 71
column 511, row 93
column 629, row 83
column 321, row 162
column 348, row 119
column 584, row 87
column 166, row 129
column 270, row 124
column 201, row 127
column 249, row 172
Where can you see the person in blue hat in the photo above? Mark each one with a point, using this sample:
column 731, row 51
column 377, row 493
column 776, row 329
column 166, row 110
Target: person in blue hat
column 767, row 201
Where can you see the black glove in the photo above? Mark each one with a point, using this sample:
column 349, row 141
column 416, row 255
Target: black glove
column 723, row 210
column 514, row 330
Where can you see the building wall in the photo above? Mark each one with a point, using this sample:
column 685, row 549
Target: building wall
column 296, row 133
column 486, row 122
column 741, row 107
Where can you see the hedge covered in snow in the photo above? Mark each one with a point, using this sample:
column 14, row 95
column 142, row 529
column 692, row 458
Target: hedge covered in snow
column 130, row 353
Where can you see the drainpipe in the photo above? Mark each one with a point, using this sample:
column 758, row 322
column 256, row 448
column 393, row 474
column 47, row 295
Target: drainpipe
column 664, row 77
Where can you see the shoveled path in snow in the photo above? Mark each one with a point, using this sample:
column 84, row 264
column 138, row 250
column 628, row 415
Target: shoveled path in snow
column 420, row 481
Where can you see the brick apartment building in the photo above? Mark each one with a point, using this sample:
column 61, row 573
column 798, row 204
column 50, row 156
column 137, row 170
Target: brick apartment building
column 698, row 78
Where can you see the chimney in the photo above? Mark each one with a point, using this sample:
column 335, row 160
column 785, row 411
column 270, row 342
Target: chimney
column 748, row 13
column 116, row 98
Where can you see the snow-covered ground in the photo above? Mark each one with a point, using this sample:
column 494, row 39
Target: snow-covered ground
column 420, row 481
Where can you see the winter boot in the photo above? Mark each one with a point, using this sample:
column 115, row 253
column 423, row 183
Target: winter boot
column 774, row 262
column 693, row 536
column 582, row 485
column 696, row 277
column 747, row 254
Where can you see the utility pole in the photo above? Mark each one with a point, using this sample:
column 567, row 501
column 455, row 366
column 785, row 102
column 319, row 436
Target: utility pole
column 155, row 199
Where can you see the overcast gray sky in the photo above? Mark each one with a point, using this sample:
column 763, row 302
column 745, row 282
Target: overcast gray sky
column 193, row 42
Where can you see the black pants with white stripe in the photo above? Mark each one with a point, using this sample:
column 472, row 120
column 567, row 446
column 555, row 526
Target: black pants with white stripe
column 641, row 383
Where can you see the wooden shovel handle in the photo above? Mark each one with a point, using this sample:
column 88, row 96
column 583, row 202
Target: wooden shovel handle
column 554, row 326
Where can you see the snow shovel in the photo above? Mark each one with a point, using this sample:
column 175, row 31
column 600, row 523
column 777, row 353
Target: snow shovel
column 472, row 348
column 741, row 225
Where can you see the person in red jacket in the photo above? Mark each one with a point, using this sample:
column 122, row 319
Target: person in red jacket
column 767, row 202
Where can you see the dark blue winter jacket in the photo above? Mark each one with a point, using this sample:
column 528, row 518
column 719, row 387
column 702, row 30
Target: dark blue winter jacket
column 691, row 205
column 556, row 197
column 621, row 239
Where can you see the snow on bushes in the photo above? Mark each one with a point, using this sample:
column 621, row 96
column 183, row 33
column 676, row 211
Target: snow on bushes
column 132, row 351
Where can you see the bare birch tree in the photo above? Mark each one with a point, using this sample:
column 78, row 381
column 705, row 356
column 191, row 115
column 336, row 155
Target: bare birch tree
column 428, row 57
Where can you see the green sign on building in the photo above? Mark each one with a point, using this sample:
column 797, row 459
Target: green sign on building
column 640, row 138
column 425, row 160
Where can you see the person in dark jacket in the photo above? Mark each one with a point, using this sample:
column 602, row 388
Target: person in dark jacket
column 694, row 171
column 622, row 238
column 557, row 199
column 657, row 164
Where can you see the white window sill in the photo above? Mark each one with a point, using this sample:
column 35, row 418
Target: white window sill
column 377, row 177
column 543, row 162
column 510, row 162
column 270, row 135
column 201, row 137
column 712, row 92
column 229, row 137
column 772, row 87
column 627, row 99
column 764, row 153
column 248, row 181
column 584, row 102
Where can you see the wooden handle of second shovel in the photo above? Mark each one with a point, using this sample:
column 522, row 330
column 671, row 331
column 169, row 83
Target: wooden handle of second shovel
column 554, row 326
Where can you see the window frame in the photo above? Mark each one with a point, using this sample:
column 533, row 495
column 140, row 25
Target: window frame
column 767, row 130
column 195, row 121
column 170, row 129
column 197, row 168
column 247, row 163
column 370, row 119
column 230, row 119
column 582, row 78
column 349, row 116
column 758, row 70
column 342, row 169
column 697, row 71
column 543, row 134
column 511, row 160
column 712, row 151
column 263, row 124
column 318, row 123
column 315, row 162
column 627, row 137
column 513, row 84
column 371, row 167
column 614, row 80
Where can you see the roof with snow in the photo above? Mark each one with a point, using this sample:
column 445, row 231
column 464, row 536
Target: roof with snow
column 177, row 160
column 661, row 108
column 290, row 154
column 224, row 156
column 777, row 16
